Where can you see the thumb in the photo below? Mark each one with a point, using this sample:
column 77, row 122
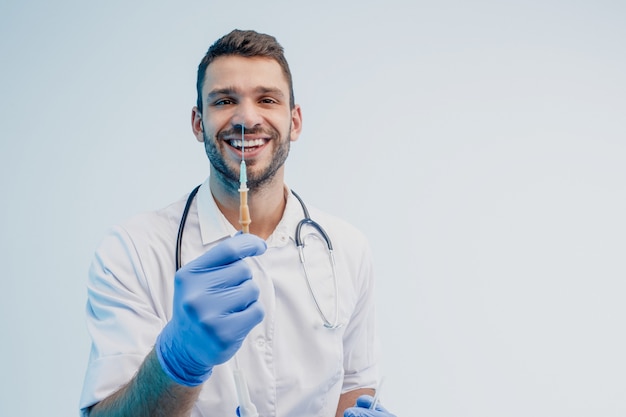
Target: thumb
column 228, row 251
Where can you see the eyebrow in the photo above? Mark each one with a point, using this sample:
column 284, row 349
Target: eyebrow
column 220, row 92
column 229, row 91
column 270, row 90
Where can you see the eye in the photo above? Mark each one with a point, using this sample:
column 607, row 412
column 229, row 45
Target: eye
column 223, row 102
column 268, row 100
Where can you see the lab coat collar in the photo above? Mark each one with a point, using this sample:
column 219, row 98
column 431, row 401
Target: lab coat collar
column 286, row 228
column 213, row 224
column 215, row 227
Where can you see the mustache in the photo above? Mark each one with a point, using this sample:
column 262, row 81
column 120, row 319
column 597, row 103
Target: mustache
column 247, row 131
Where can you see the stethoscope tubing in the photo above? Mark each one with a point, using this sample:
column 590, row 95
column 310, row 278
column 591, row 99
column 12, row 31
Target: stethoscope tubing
column 181, row 227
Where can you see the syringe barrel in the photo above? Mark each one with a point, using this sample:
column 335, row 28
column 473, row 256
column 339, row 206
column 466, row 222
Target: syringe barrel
column 244, row 211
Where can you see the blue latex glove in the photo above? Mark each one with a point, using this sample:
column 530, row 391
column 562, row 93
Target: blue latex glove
column 215, row 307
column 362, row 409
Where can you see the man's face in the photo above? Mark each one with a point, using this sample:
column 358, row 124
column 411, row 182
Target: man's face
column 249, row 92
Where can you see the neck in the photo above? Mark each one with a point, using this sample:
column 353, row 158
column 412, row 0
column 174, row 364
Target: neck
column 266, row 205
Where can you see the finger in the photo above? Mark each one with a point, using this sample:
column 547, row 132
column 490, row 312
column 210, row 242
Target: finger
column 365, row 401
column 358, row 412
column 227, row 300
column 224, row 277
column 228, row 251
column 234, row 327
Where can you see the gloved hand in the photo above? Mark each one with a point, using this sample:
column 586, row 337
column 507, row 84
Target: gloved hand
column 361, row 409
column 215, row 307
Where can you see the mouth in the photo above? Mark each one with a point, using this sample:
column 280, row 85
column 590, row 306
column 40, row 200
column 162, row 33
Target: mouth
column 248, row 145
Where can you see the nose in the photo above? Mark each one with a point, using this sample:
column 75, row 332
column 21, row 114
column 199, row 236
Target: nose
column 247, row 115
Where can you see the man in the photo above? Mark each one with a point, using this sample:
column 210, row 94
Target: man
column 168, row 337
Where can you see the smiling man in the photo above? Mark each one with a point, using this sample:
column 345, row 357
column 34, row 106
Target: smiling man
column 253, row 93
column 180, row 300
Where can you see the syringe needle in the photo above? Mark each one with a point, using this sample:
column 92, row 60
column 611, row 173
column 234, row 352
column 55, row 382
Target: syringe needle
column 244, row 211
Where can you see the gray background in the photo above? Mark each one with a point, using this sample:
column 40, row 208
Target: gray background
column 480, row 145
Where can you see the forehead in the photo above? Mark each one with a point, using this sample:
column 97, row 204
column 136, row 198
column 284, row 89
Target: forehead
column 242, row 73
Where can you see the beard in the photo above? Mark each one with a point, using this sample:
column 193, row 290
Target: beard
column 230, row 174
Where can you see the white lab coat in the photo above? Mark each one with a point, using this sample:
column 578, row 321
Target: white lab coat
column 293, row 364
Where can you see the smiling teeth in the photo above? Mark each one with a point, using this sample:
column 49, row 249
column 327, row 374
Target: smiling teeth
column 248, row 144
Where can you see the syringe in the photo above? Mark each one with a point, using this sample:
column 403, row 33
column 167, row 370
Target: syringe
column 377, row 394
column 246, row 406
column 244, row 211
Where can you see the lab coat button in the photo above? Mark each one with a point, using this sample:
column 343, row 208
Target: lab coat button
column 260, row 343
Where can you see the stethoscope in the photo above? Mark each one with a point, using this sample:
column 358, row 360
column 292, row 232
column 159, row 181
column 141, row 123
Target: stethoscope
column 299, row 244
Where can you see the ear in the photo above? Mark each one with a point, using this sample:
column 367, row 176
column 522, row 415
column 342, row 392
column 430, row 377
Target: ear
column 196, row 124
column 296, row 123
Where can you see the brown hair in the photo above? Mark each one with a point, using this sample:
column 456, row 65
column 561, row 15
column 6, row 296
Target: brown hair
column 249, row 44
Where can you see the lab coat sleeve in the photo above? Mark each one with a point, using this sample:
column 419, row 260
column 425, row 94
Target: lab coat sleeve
column 361, row 350
column 122, row 317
